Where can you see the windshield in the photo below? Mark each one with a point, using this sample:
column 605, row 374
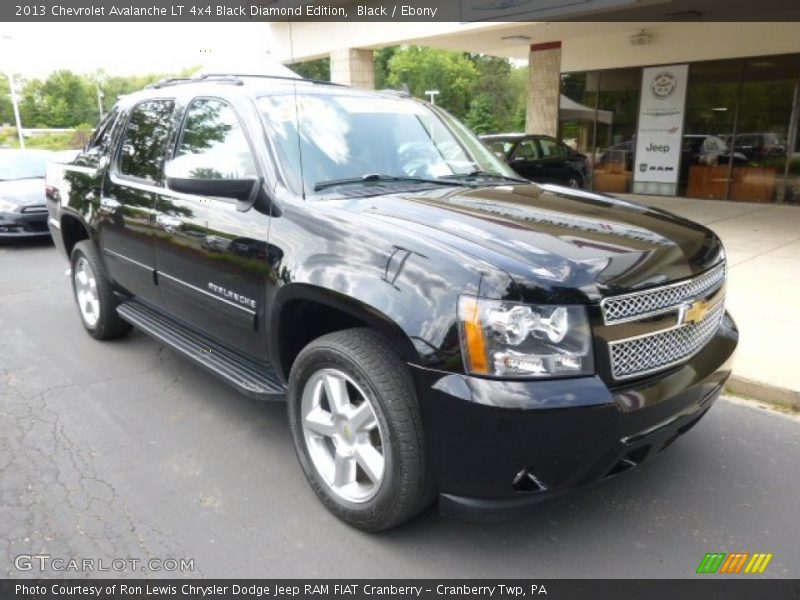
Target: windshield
column 353, row 139
column 22, row 165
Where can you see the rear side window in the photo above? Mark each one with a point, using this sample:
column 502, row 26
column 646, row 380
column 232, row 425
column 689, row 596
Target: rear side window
column 102, row 135
column 144, row 146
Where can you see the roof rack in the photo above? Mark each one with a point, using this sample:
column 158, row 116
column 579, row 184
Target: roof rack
column 230, row 78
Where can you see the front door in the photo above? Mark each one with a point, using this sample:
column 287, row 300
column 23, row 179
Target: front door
column 126, row 221
column 212, row 257
column 554, row 156
column 525, row 161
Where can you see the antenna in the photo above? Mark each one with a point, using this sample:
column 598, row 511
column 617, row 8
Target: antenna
column 297, row 117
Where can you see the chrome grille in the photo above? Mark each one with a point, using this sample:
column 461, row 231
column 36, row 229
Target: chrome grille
column 36, row 208
column 634, row 357
column 636, row 305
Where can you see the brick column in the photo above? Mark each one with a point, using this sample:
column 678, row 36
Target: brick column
column 353, row 66
column 544, row 88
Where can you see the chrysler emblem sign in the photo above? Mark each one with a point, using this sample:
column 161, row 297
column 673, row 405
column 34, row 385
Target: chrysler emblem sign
column 663, row 85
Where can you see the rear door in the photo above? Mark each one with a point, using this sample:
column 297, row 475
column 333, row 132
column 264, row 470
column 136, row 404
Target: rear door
column 126, row 223
column 211, row 257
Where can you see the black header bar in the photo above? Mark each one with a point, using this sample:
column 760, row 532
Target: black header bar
column 709, row 587
column 463, row 11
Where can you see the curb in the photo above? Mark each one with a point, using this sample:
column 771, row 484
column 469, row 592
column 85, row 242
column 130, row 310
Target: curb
column 763, row 392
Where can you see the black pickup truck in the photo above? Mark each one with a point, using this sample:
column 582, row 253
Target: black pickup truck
column 436, row 325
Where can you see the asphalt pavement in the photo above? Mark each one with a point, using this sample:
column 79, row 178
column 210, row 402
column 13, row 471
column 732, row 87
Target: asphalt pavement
column 125, row 450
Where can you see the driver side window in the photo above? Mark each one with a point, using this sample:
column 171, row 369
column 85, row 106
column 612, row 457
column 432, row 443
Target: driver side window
column 212, row 133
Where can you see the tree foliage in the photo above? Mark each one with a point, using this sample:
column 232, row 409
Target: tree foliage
column 488, row 92
column 67, row 100
column 319, row 69
column 422, row 69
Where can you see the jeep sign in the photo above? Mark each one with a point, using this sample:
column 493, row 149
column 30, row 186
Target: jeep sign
column 658, row 143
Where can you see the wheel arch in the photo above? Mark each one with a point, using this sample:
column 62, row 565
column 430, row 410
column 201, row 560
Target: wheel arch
column 73, row 230
column 302, row 312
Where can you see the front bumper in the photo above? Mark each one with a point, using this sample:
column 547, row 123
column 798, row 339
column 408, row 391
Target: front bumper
column 503, row 443
column 23, row 225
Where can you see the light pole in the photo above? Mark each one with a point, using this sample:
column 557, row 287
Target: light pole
column 432, row 94
column 15, row 100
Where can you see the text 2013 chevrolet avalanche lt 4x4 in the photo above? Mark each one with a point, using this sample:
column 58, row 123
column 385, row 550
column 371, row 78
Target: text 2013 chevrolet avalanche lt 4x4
column 437, row 325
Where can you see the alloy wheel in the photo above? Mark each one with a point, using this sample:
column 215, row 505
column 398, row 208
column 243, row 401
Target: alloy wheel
column 342, row 435
column 86, row 292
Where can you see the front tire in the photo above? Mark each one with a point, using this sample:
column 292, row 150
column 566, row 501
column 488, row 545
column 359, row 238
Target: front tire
column 357, row 431
column 94, row 296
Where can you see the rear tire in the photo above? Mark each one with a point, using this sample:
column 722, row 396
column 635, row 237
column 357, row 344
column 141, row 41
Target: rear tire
column 357, row 431
column 97, row 305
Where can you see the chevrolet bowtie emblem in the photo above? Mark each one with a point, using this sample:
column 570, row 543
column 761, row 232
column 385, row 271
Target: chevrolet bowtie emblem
column 694, row 312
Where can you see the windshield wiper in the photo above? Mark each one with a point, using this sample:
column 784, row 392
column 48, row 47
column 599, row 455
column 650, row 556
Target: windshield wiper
column 479, row 174
column 372, row 177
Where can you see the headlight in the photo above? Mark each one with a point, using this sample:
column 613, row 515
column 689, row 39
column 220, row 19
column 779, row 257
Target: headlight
column 508, row 339
column 6, row 206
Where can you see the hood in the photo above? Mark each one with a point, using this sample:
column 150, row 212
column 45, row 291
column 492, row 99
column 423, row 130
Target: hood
column 23, row 192
column 552, row 240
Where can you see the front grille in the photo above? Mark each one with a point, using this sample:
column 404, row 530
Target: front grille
column 37, row 225
column 36, row 209
column 637, row 305
column 634, row 357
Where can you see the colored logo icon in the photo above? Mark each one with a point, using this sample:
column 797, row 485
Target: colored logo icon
column 735, row 562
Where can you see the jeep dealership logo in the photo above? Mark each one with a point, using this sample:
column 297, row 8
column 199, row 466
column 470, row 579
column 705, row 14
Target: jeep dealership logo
column 663, row 85
column 657, row 148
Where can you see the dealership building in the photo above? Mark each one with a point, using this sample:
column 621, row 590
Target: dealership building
column 689, row 107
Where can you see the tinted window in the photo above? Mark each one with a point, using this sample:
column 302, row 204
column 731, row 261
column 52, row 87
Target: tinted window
column 211, row 128
column 551, row 148
column 348, row 135
column 102, row 134
column 526, row 149
column 144, row 147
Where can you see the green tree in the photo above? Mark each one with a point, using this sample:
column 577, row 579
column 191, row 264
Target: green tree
column 452, row 73
column 6, row 109
column 382, row 58
column 519, row 84
column 481, row 118
column 64, row 99
column 319, row 69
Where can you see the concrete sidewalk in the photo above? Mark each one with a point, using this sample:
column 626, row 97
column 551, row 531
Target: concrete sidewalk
column 763, row 246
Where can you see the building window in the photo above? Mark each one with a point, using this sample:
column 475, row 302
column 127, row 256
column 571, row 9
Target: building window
column 740, row 131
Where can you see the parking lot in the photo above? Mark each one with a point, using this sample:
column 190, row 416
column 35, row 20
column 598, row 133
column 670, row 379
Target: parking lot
column 126, row 450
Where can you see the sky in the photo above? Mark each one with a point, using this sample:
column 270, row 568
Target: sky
column 37, row 49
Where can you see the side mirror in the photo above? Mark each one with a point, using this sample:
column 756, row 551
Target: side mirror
column 206, row 175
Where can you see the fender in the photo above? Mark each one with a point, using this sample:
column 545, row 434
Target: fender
column 370, row 315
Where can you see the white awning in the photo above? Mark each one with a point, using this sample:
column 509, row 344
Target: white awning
column 569, row 109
